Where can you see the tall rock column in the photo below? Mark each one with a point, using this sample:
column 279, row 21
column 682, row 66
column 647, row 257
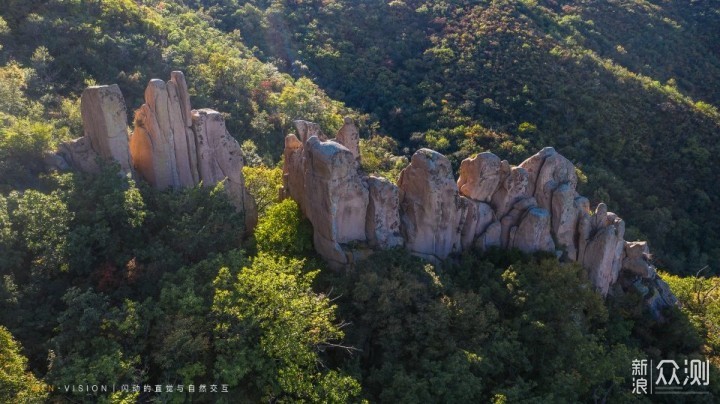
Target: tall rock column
column 602, row 247
column 430, row 206
column 382, row 225
column 105, row 124
column 163, row 144
column 552, row 181
column 336, row 197
column 220, row 159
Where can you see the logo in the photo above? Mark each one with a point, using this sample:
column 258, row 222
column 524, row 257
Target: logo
column 667, row 377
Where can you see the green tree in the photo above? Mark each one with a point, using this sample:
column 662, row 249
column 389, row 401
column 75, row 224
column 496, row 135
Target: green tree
column 284, row 230
column 271, row 332
column 17, row 384
column 264, row 184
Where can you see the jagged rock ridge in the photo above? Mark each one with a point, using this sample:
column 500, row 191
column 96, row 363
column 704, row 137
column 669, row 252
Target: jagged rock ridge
column 171, row 146
column 532, row 207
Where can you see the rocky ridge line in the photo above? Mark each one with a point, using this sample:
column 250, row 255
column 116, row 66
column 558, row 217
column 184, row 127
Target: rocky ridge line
column 532, row 207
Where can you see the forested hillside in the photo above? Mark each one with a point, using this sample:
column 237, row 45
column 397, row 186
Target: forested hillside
column 628, row 90
column 107, row 281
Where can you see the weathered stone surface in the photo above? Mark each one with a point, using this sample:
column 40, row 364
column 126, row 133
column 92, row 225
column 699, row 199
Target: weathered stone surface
column 479, row 177
column 430, row 205
column 533, row 207
column 478, row 217
column 382, row 225
column 178, row 79
column 661, row 298
column 490, row 238
column 512, row 188
column 533, row 165
column 511, row 220
column 602, row 255
column 556, row 170
column 183, row 140
column 349, row 136
column 164, row 124
column 533, row 232
column 78, row 153
column 564, row 219
column 221, row 159
column 637, row 259
column 305, row 130
column 336, row 199
column 293, row 171
column 105, row 124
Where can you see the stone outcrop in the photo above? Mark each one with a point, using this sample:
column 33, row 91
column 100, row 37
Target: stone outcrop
column 172, row 145
column 430, row 208
column 163, row 144
column 105, row 133
column 382, row 224
column 349, row 136
column 479, row 176
column 531, row 207
column 336, row 197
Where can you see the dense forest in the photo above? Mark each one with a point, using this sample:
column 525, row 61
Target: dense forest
column 106, row 281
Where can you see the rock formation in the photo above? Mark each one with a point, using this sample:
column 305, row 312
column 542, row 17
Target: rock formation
column 105, row 132
column 349, row 136
column 430, row 207
column 382, row 225
column 336, row 197
column 531, row 207
column 172, row 145
column 163, row 144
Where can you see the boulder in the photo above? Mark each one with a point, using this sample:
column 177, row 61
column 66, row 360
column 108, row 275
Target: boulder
column 602, row 254
column 637, row 259
column 533, row 232
column 382, row 225
column 555, row 171
column 513, row 187
column 105, row 124
column 510, row 221
column 336, row 198
column 490, row 238
column 533, row 165
column 478, row 217
column 479, row 177
column 79, row 154
column 349, row 136
column 220, row 159
column 430, row 208
column 305, row 130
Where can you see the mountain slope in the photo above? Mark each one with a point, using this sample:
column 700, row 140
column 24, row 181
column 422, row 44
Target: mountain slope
column 626, row 89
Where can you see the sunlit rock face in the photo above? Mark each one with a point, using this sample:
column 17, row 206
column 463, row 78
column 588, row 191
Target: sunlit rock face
column 532, row 207
column 430, row 208
column 336, row 197
column 105, row 133
column 171, row 146
column 382, row 224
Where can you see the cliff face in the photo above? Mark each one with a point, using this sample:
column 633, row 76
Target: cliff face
column 532, row 207
column 171, row 146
